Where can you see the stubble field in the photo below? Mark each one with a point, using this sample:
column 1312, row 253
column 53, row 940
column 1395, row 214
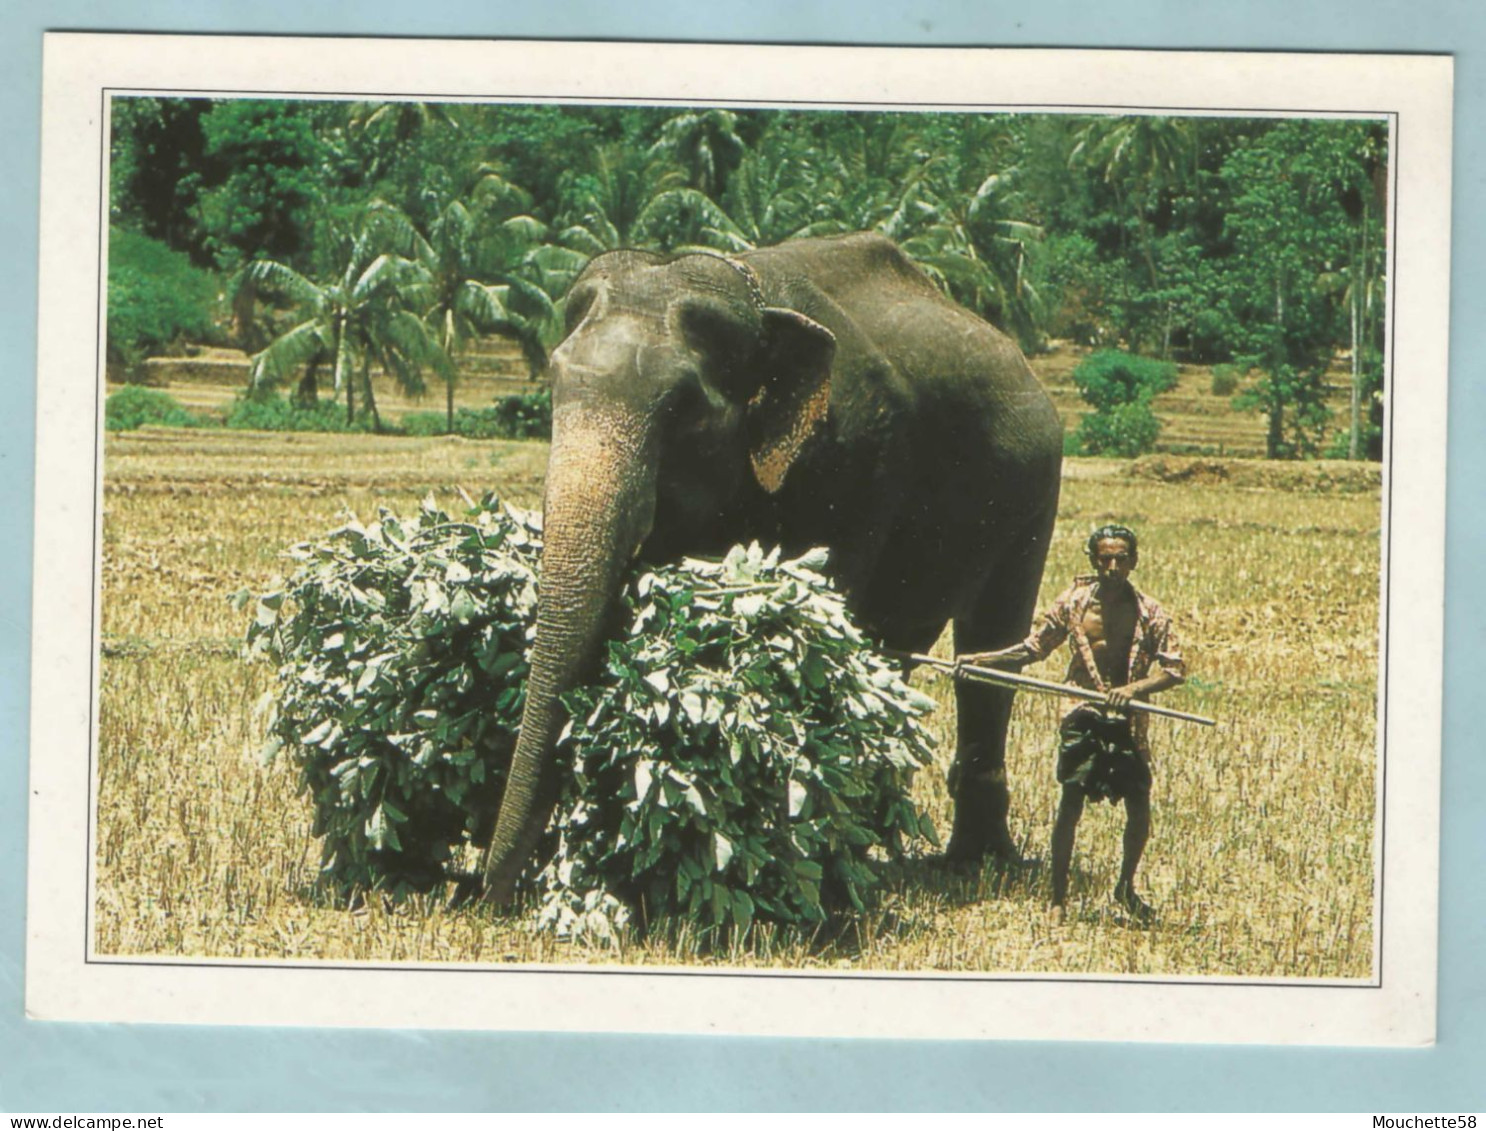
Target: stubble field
column 1261, row 862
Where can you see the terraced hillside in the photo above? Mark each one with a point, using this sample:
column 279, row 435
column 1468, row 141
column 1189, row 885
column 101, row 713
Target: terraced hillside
column 207, row 381
column 1194, row 420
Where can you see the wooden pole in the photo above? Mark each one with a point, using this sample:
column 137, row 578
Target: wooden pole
column 1030, row 683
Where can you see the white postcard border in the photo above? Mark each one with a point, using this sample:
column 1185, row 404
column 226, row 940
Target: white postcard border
column 63, row 982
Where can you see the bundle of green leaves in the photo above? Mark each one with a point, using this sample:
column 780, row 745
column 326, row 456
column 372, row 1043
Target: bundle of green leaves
column 402, row 669
column 744, row 753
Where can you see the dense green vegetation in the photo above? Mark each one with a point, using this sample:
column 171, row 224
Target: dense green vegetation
column 134, row 406
column 1120, row 387
column 156, row 297
column 517, row 416
column 361, row 236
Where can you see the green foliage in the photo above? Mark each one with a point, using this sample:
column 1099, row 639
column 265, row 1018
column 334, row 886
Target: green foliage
column 1250, row 241
column 259, row 195
column 519, row 416
column 134, row 406
column 1225, row 380
column 1125, row 430
column 1289, row 222
column 155, row 298
column 401, row 649
column 1109, row 378
column 746, row 755
column 269, row 412
column 1121, row 387
column 371, row 312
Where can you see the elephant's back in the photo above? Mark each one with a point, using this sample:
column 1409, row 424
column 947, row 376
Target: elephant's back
column 949, row 360
column 946, row 449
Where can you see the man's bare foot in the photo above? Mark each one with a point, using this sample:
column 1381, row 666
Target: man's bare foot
column 1137, row 908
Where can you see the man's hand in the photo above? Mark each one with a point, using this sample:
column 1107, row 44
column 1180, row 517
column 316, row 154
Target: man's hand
column 1118, row 698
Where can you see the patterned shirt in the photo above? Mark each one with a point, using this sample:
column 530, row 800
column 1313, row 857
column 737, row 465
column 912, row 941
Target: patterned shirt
column 1153, row 642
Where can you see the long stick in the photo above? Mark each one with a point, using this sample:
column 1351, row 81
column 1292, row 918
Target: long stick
column 1030, row 683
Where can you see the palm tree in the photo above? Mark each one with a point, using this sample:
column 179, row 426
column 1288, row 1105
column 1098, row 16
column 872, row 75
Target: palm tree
column 605, row 207
column 460, row 257
column 870, row 177
column 705, row 143
column 521, row 269
column 1140, row 158
column 767, row 200
column 388, row 129
column 634, row 199
column 977, row 249
column 365, row 314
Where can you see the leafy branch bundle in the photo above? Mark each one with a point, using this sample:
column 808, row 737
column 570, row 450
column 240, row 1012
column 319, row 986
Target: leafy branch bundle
column 402, row 671
column 744, row 754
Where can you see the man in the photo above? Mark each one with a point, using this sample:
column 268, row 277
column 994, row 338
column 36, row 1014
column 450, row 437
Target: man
column 1122, row 644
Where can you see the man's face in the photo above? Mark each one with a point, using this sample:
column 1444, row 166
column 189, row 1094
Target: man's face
column 1114, row 560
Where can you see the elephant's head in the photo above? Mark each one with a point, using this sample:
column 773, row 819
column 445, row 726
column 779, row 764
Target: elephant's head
column 680, row 399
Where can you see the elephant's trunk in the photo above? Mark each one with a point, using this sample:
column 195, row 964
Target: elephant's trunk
column 600, row 501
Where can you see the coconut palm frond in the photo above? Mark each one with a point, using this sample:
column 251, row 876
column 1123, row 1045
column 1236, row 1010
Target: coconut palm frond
column 583, row 240
column 297, row 347
column 528, row 301
column 278, row 280
column 525, row 228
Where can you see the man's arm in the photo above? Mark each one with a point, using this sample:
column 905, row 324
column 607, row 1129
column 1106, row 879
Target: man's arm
column 1120, row 697
column 1170, row 667
column 1048, row 631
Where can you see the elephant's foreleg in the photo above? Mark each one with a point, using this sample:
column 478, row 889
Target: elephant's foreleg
column 1001, row 616
column 977, row 780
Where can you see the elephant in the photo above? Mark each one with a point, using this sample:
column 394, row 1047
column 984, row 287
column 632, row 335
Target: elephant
column 821, row 392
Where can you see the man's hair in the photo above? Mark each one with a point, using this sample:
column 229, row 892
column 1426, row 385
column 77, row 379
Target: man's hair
column 1113, row 530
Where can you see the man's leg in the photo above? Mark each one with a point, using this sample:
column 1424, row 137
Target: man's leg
column 1070, row 809
column 1137, row 832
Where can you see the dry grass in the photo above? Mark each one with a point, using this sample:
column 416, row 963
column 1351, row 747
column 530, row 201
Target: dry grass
column 1261, row 863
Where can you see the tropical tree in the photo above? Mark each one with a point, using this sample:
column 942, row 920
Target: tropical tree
column 634, row 199
column 1289, row 232
column 968, row 229
column 369, row 312
column 606, row 206
column 1143, row 160
column 870, row 176
column 262, row 184
column 522, row 270
column 1358, row 170
column 767, row 199
column 704, row 143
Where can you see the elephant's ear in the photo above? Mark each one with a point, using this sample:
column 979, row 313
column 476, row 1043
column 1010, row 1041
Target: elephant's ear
column 793, row 394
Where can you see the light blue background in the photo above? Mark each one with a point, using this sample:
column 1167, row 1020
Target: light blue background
column 115, row 1068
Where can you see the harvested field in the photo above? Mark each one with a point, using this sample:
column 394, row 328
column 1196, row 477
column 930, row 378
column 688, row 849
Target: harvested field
column 1262, row 859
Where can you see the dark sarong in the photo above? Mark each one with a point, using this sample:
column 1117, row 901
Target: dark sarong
column 1098, row 756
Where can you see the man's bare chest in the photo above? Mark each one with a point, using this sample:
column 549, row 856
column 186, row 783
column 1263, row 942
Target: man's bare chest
column 1109, row 628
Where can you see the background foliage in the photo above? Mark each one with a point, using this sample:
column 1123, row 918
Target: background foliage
column 156, row 298
column 388, row 234
column 1120, row 387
